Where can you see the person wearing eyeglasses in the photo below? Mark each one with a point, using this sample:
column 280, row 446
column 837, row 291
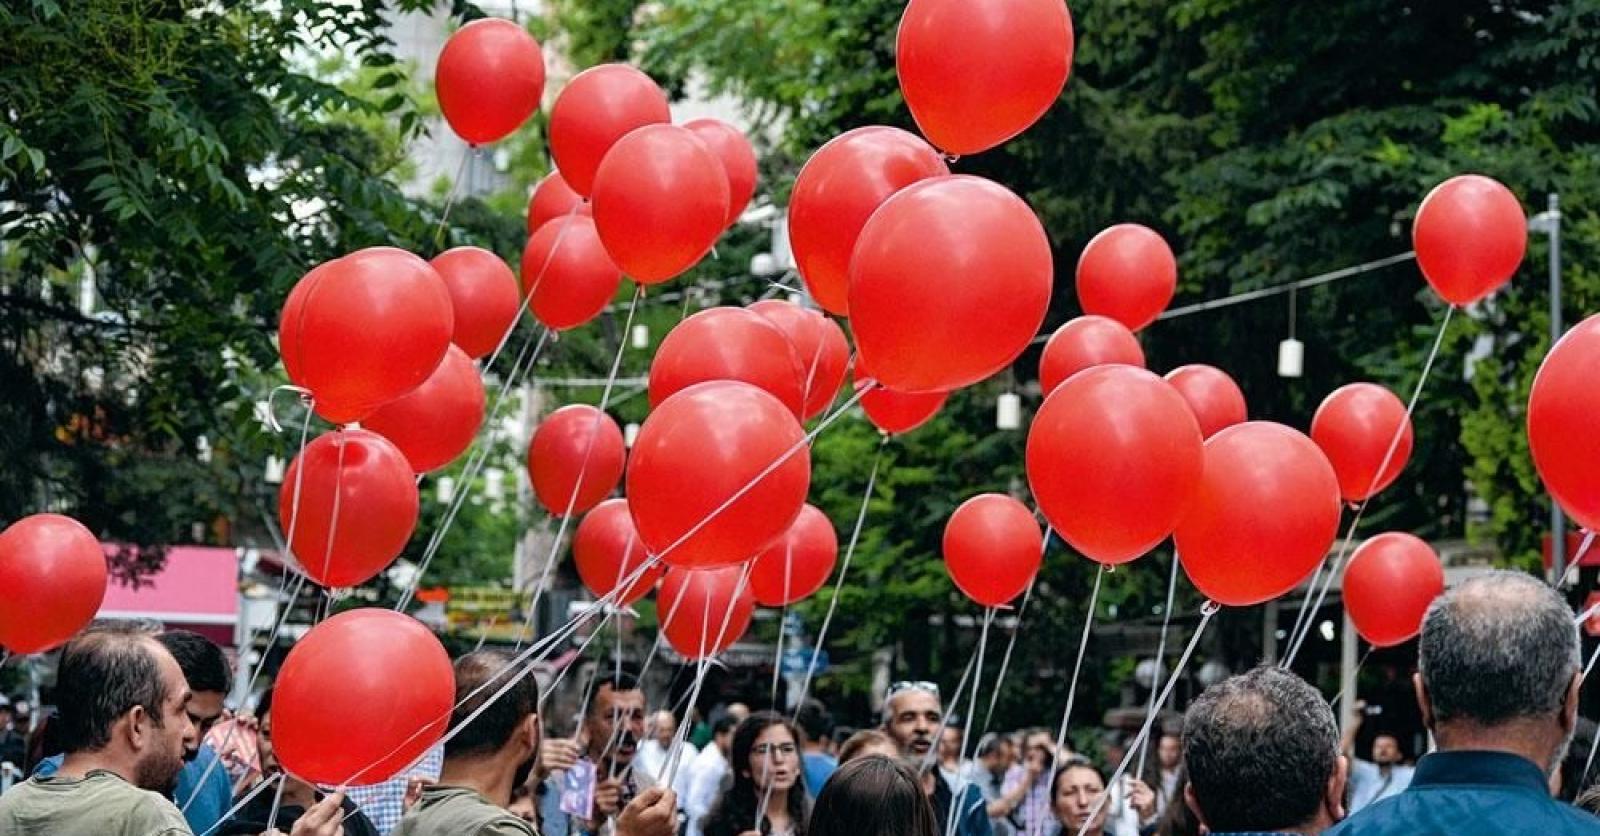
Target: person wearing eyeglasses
column 768, row 793
column 912, row 717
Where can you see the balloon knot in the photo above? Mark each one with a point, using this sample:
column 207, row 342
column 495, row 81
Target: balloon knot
column 951, row 159
column 1210, row 608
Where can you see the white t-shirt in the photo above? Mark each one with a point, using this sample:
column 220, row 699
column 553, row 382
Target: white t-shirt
column 1369, row 784
column 705, row 783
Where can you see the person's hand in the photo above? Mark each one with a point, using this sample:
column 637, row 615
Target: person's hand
column 653, row 812
column 607, row 798
column 414, row 787
column 1034, row 763
column 557, row 754
column 324, row 818
column 1142, row 799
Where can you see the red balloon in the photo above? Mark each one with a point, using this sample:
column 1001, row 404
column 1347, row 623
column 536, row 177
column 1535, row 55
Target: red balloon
column 1114, row 457
column 1128, row 273
column 1215, row 399
column 704, row 611
column 572, row 284
column 976, row 73
column 728, row 344
column 368, row 328
column 1084, row 342
column 799, row 563
column 698, row 450
column 375, row 491
column 992, row 547
column 489, row 79
column 1392, row 579
column 292, row 315
column 837, row 190
column 553, row 198
column 660, row 199
column 1355, row 426
column 949, row 282
column 897, row 413
column 598, row 107
column 53, row 573
column 607, row 550
column 819, row 344
column 737, row 157
column 1265, row 515
column 360, row 697
column 575, row 459
column 483, row 297
column 1470, row 236
column 1561, row 413
column 437, row 421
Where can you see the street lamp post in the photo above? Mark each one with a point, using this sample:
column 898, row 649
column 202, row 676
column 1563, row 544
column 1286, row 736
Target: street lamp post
column 1549, row 222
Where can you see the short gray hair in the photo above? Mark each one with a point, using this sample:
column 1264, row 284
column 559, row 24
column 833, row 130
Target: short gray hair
column 1498, row 647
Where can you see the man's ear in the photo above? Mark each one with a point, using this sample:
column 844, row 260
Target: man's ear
column 135, row 727
column 1334, row 799
column 1569, row 707
column 1423, row 702
column 1194, row 806
column 530, row 732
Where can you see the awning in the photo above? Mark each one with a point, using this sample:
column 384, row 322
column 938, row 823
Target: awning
column 197, row 588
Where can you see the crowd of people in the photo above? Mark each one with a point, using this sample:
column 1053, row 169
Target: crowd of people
column 140, row 744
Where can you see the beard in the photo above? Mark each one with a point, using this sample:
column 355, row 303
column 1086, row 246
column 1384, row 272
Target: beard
column 158, row 772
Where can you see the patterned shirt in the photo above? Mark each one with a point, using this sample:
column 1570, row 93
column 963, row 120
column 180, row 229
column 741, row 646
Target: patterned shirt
column 385, row 803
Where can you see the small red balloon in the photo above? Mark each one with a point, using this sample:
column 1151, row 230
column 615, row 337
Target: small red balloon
column 575, row 459
column 1215, row 399
column 819, row 343
column 700, row 449
column 598, row 107
column 1562, row 406
column 570, row 274
column 607, row 551
column 1084, row 342
column 437, row 421
column 976, row 73
column 799, row 563
column 1356, row 426
column 1128, row 273
column 1470, row 236
column 704, row 611
column 992, row 547
column 360, row 697
column 552, row 199
column 737, row 157
column 660, row 202
column 1265, row 514
column 53, row 573
column 357, row 506
column 897, row 413
column 728, row 344
column 1391, row 580
column 483, row 297
column 837, row 190
column 489, row 79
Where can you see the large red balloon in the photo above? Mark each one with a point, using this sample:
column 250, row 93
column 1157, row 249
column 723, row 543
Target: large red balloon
column 568, row 271
column 728, row 344
column 368, row 328
column 820, row 344
column 483, row 297
column 289, row 319
column 360, row 697
column 53, row 577
column 660, row 202
column 1215, row 399
column 598, row 107
column 737, row 157
column 551, row 199
column 1355, row 426
column 1114, row 457
column 976, row 73
column 1392, row 579
column 1084, row 342
column 697, row 451
column 607, row 550
column 894, row 412
column 575, row 459
column 1265, row 515
column 992, row 547
column 799, row 563
column 1561, row 422
column 1127, row 272
column 489, row 79
column 437, row 421
column 375, row 491
column 949, row 282
column 837, row 190
column 1470, row 236
column 704, row 611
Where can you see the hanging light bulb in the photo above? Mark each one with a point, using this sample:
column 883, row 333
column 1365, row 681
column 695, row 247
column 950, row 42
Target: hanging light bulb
column 639, row 336
column 1291, row 352
column 444, row 490
column 273, row 472
column 630, row 433
column 1008, row 411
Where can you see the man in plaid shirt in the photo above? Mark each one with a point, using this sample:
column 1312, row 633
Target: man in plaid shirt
column 385, row 803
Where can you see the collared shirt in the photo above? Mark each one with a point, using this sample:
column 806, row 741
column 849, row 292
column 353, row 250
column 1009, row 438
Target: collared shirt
column 1469, row 793
column 1033, row 817
column 385, row 803
column 1368, row 783
column 971, row 819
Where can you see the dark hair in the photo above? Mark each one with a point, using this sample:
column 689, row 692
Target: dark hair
column 1178, row 820
column 486, row 672
column 104, row 673
column 726, row 723
column 204, row 665
column 736, row 809
column 1259, row 749
column 814, row 720
column 873, row 796
column 617, row 680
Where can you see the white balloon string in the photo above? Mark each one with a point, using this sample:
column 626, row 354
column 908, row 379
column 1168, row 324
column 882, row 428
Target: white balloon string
column 342, row 442
column 1011, row 643
column 675, row 753
column 1077, row 667
column 958, row 792
column 277, row 801
column 1161, row 658
column 949, row 710
column 1339, row 697
column 1572, row 568
column 240, row 805
column 450, row 198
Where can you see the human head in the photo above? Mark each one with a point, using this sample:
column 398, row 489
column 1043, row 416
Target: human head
column 873, row 796
column 991, row 752
column 766, row 753
column 507, row 731
column 1039, row 746
column 1262, row 753
column 663, row 726
column 615, row 721
column 1498, row 667
column 912, row 714
column 868, row 742
column 210, row 677
column 815, row 722
column 950, row 743
column 122, row 697
column 1074, row 791
column 1169, row 751
column 738, row 711
column 722, row 734
column 1386, row 750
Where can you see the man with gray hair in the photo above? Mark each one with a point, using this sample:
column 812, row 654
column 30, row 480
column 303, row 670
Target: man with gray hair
column 1498, row 688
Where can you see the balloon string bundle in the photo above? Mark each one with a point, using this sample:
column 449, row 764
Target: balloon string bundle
column 783, row 621
column 1083, row 646
column 674, row 755
column 1161, row 657
column 1308, row 610
column 1572, row 567
column 959, row 790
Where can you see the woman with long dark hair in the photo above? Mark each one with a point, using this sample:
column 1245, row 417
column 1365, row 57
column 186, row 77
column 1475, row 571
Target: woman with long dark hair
column 767, row 782
column 873, row 796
